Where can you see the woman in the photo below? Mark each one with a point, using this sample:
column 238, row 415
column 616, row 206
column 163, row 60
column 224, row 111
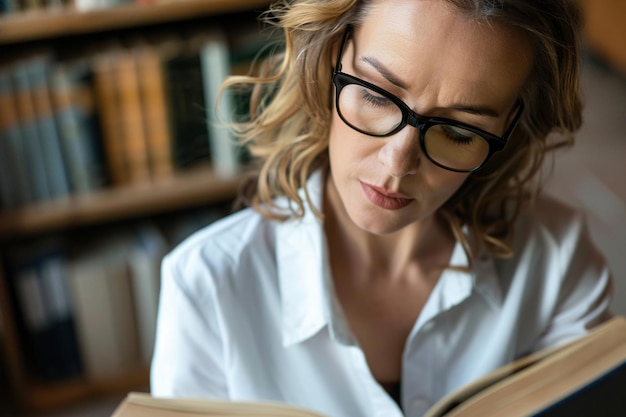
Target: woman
column 397, row 247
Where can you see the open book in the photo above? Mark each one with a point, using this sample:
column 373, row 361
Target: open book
column 586, row 377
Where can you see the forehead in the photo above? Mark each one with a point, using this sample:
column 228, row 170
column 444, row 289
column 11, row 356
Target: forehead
column 433, row 47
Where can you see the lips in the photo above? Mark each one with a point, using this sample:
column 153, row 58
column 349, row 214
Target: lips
column 389, row 200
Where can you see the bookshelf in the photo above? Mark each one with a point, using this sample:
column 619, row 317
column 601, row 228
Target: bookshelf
column 45, row 24
column 197, row 186
column 188, row 188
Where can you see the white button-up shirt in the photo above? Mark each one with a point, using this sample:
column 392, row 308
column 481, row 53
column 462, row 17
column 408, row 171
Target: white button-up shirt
column 247, row 312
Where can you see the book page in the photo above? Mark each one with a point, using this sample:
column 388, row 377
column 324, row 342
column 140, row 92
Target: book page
column 608, row 341
column 142, row 404
column 539, row 378
column 458, row 397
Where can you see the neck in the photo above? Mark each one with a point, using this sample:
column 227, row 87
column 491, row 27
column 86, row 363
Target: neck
column 425, row 244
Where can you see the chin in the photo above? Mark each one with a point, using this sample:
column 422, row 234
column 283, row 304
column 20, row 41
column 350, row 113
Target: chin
column 381, row 222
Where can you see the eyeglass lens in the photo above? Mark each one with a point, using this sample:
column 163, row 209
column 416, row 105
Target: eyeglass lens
column 445, row 144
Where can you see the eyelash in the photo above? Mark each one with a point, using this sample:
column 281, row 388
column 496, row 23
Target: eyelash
column 456, row 137
column 378, row 101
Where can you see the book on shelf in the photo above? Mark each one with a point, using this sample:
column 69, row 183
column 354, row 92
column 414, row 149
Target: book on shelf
column 144, row 260
column 38, row 69
column 48, row 131
column 9, row 175
column 109, row 118
column 582, row 378
column 195, row 67
column 141, row 127
column 152, row 109
column 186, row 104
column 74, row 109
column 43, row 311
column 18, row 192
column 131, row 115
column 150, row 68
column 59, row 310
column 26, row 124
column 100, row 290
column 215, row 64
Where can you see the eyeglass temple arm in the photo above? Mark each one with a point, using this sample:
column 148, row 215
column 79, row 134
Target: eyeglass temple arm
column 341, row 46
column 518, row 115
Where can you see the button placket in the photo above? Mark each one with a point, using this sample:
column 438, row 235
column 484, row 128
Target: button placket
column 417, row 372
column 382, row 405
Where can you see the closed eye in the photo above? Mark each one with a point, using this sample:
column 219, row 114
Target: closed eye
column 457, row 135
column 373, row 99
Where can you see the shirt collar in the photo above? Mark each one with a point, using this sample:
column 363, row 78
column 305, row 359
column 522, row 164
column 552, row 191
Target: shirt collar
column 301, row 270
column 456, row 285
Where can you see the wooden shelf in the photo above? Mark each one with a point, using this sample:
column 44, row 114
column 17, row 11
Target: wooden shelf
column 190, row 188
column 46, row 24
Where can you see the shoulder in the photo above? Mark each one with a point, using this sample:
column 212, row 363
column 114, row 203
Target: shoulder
column 550, row 225
column 230, row 233
column 219, row 250
column 551, row 247
column 555, row 258
column 557, row 273
column 241, row 250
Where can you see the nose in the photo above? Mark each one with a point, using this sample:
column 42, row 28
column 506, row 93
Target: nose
column 401, row 153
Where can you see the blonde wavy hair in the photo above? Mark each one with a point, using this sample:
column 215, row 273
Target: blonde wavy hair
column 287, row 128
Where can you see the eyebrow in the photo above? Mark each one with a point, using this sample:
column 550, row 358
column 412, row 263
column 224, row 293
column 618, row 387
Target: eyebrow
column 477, row 110
column 393, row 79
column 385, row 72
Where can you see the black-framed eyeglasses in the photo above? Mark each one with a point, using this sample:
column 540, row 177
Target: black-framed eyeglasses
column 447, row 143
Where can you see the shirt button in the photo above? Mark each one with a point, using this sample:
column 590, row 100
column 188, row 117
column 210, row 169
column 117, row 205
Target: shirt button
column 419, row 405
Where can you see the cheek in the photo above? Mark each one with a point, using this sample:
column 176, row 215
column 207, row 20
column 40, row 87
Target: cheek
column 342, row 146
column 348, row 148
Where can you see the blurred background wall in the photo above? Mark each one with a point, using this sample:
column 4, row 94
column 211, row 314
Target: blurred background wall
column 592, row 175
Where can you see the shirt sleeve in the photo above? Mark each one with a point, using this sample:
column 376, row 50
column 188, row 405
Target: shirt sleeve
column 585, row 287
column 188, row 351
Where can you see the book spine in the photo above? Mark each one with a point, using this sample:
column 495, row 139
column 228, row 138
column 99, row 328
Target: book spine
column 15, row 145
column 101, row 294
column 30, row 302
column 109, row 118
column 93, row 309
column 133, row 132
column 156, row 121
column 49, row 344
column 215, row 64
column 144, row 262
column 54, row 281
column 123, row 314
column 28, row 131
column 186, row 109
column 8, row 169
column 76, row 130
column 38, row 72
column 8, row 198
